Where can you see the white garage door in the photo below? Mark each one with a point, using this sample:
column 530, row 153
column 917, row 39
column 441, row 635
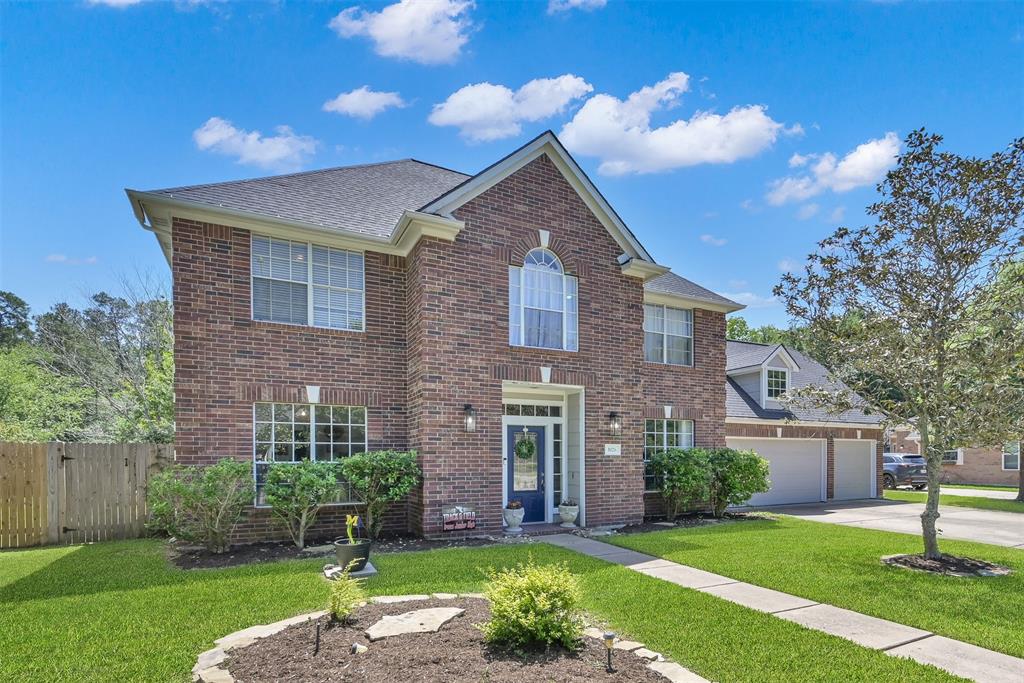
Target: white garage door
column 853, row 469
column 795, row 469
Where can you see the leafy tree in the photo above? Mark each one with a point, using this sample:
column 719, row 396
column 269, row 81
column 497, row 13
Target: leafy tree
column 37, row 404
column 381, row 478
column 14, row 320
column 910, row 312
column 685, row 476
column 296, row 493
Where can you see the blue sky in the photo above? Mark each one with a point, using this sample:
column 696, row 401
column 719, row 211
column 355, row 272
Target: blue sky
column 754, row 129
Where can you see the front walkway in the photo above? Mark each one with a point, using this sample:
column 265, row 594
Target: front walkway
column 959, row 658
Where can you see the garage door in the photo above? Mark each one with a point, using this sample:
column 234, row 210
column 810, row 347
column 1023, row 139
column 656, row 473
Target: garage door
column 795, row 469
column 853, row 469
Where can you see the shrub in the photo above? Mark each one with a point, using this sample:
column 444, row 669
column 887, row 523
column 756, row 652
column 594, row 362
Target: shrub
column 685, row 476
column 533, row 604
column 346, row 594
column 201, row 504
column 380, row 478
column 297, row 491
column 735, row 477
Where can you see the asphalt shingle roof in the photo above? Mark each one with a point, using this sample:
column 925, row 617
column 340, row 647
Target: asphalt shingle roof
column 367, row 199
column 670, row 283
column 740, row 404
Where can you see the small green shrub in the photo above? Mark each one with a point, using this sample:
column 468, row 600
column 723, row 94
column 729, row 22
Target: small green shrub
column 201, row 504
column 295, row 493
column 534, row 604
column 685, row 476
column 381, row 478
column 735, row 477
column 346, row 594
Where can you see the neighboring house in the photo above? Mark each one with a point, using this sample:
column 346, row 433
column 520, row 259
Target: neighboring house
column 813, row 455
column 404, row 305
column 989, row 466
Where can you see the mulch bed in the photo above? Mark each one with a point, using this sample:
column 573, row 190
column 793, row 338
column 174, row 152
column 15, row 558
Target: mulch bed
column 689, row 521
column 949, row 565
column 455, row 653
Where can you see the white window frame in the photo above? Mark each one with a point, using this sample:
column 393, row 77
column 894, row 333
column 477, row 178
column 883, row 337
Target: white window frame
column 520, row 272
column 785, row 372
column 665, row 335
column 663, row 432
column 1006, row 452
column 959, row 457
column 310, row 320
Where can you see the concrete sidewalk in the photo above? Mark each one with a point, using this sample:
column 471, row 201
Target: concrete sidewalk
column 954, row 490
column 961, row 659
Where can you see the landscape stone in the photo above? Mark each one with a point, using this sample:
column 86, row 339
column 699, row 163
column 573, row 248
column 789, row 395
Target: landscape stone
column 592, row 632
column 675, row 673
column 359, row 648
column 333, row 571
column 444, row 596
column 208, row 659
column 479, row 596
column 215, row 675
column 318, row 549
column 627, row 645
column 648, row 654
column 417, row 621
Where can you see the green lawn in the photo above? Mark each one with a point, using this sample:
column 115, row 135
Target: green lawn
column 959, row 501
column 117, row 612
column 840, row 565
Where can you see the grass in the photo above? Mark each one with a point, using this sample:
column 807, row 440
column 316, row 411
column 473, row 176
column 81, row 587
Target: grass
column 978, row 502
column 117, row 612
column 840, row 565
column 984, row 487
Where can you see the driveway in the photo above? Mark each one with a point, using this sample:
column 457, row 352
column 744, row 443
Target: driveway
column 983, row 526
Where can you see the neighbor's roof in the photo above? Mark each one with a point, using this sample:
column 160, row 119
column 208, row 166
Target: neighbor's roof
column 740, row 404
column 368, row 199
column 670, row 283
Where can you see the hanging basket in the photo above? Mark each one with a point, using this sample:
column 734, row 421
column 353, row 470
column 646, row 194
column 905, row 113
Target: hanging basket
column 525, row 449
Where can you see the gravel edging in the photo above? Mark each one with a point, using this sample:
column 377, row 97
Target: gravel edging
column 209, row 669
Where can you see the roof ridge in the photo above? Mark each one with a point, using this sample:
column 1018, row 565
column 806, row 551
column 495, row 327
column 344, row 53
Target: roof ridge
column 744, row 341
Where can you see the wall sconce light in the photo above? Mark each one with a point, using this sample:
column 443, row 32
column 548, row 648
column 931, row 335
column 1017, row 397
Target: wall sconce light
column 609, row 642
column 615, row 423
column 470, row 414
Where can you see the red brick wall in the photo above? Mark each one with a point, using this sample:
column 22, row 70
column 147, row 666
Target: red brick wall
column 899, row 442
column 980, row 466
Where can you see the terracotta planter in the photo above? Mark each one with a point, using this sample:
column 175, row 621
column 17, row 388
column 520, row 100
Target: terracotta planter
column 347, row 552
column 513, row 520
column 568, row 513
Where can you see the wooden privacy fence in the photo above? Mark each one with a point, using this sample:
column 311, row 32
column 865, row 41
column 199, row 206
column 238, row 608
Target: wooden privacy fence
column 75, row 492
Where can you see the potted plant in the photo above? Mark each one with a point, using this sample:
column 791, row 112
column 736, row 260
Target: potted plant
column 568, row 510
column 352, row 553
column 513, row 515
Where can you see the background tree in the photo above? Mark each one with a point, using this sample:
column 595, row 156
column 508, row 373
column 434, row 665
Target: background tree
column 37, row 404
column 14, row 320
column 908, row 312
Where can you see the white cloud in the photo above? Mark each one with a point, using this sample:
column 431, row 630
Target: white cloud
column 865, row 165
column 787, row 265
column 619, row 132
column 751, row 300
column 67, row 260
column 424, row 31
column 837, row 214
column 113, row 3
column 713, row 241
column 737, row 284
column 807, row 211
column 284, row 151
column 566, row 5
column 363, row 103
column 484, row 111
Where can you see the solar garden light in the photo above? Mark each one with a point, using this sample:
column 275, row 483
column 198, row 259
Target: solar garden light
column 609, row 641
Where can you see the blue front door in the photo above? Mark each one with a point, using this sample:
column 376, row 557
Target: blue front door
column 525, row 475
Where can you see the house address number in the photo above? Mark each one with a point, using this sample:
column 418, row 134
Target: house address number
column 613, row 449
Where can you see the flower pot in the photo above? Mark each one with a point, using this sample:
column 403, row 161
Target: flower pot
column 568, row 513
column 513, row 520
column 347, row 552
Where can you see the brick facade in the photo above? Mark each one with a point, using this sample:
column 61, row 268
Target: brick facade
column 980, row 466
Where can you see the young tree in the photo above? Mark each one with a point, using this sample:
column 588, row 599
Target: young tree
column 905, row 310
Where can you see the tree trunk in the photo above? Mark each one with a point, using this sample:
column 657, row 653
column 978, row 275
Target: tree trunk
column 1020, row 479
column 933, row 460
column 301, row 540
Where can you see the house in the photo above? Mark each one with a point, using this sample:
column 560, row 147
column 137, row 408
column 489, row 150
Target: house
column 969, row 465
column 813, row 455
column 404, row 305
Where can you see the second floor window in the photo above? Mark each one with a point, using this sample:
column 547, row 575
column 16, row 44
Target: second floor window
column 542, row 309
column 307, row 284
column 777, row 380
column 668, row 335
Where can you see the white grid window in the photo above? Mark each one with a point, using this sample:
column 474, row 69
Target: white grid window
column 668, row 335
column 662, row 435
column 951, row 457
column 776, row 383
column 284, row 271
column 1011, row 455
column 543, row 309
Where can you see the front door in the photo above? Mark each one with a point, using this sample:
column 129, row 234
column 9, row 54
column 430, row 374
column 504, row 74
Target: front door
column 525, row 473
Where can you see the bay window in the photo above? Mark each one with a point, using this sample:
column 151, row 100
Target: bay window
column 668, row 335
column 543, row 309
column 662, row 435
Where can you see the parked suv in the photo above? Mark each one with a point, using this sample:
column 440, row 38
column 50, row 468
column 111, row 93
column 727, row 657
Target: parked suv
column 903, row 470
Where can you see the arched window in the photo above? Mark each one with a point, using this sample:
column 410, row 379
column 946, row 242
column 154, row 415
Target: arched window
column 542, row 303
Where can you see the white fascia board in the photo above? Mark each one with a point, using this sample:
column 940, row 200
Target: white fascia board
column 548, row 144
column 801, row 423
column 743, row 371
column 786, row 358
column 676, row 301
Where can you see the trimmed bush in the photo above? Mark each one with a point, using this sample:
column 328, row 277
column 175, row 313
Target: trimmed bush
column 295, row 493
column 534, row 605
column 346, row 594
column 685, row 476
column 380, row 478
column 735, row 477
column 201, row 504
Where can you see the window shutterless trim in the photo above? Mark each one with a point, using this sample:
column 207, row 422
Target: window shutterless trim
column 665, row 335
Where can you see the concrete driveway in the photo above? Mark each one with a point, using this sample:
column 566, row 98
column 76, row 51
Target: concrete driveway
column 983, row 526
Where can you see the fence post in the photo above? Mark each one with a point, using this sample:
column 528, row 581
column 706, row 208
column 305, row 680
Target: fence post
column 54, row 472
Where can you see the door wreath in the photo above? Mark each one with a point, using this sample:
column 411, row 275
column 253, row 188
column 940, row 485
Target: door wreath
column 525, row 449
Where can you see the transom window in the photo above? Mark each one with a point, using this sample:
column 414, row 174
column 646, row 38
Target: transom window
column 532, row 410
column 1011, row 455
column 291, row 432
column 659, row 436
column 542, row 309
column 668, row 335
column 296, row 282
column 777, row 380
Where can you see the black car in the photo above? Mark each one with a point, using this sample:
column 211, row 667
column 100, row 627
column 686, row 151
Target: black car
column 903, row 470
